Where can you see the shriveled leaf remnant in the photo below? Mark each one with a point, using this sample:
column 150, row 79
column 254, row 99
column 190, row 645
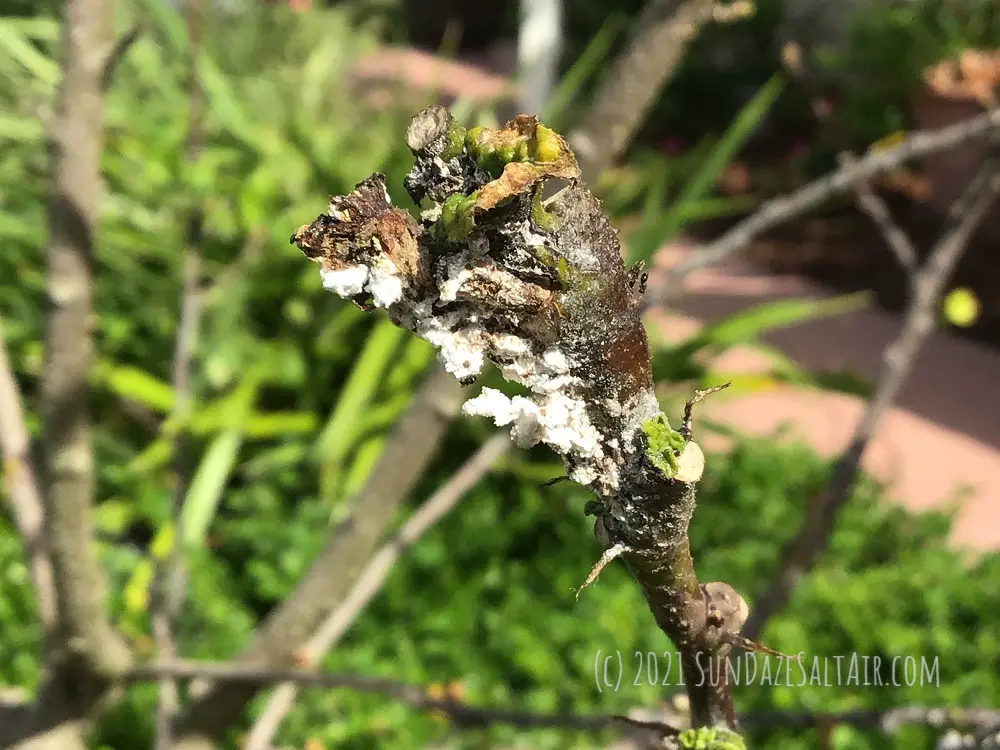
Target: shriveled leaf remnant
column 492, row 273
column 705, row 738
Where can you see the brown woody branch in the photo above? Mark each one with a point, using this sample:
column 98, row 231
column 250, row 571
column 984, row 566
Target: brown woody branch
column 409, row 448
column 895, row 238
column 983, row 721
column 172, row 579
column 491, row 273
column 636, row 78
column 887, row 720
column 233, row 674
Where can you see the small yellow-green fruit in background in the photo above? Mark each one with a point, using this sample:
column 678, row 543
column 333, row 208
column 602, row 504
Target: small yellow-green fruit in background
column 961, row 307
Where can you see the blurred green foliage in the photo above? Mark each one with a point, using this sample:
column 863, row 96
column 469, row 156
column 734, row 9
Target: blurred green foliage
column 888, row 46
column 294, row 392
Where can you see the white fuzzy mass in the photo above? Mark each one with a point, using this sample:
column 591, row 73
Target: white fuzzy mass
column 493, row 404
column 346, row 282
column 448, row 288
column 384, row 283
column 556, row 419
column 381, row 280
column 546, row 374
column 461, row 352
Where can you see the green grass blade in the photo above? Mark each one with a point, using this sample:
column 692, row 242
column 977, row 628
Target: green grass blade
column 585, row 66
column 714, row 208
column 226, row 105
column 701, row 183
column 168, row 22
column 21, row 129
column 136, row 385
column 412, row 363
column 207, row 485
column 358, row 391
column 678, row 362
column 39, row 29
column 363, row 464
column 19, row 48
column 751, row 324
column 213, row 473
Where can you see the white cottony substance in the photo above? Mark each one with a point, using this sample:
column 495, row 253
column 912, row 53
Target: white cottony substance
column 381, row 280
column 545, row 374
column 585, row 474
column 346, row 282
column 462, row 352
column 448, row 289
column 458, row 270
column 563, row 423
column 557, row 420
column 510, row 346
column 384, row 284
column 491, row 403
column 555, row 360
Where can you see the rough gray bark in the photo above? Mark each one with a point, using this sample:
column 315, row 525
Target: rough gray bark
column 491, row 273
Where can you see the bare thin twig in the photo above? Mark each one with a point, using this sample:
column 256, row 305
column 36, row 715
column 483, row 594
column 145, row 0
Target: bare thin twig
column 872, row 204
column 22, row 486
column 899, row 359
column 886, row 720
column 370, row 582
column 172, row 580
column 462, row 714
column 779, row 210
column 121, row 48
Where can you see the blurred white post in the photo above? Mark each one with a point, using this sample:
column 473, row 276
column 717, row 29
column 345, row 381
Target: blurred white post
column 539, row 45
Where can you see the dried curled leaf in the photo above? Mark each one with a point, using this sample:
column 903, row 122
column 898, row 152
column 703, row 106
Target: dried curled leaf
column 530, row 153
column 360, row 227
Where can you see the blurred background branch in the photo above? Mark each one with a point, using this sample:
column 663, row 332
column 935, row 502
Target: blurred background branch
column 339, row 620
column 636, row 77
column 23, row 489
